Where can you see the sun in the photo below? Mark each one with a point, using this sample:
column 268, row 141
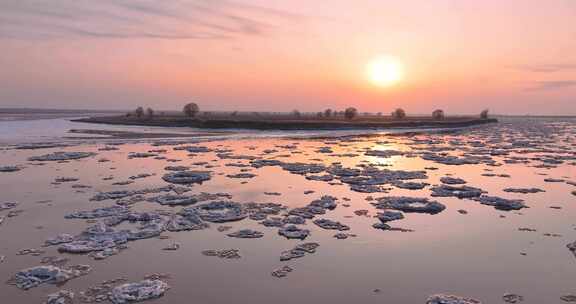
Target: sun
column 385, row 71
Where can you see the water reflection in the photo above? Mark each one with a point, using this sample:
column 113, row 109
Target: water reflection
column 481, row 254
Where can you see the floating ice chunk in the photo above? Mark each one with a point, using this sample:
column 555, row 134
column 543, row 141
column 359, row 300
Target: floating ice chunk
column 384, row 153
column 187, row 177
column 241, row 175
column 112, row 195
column 410, row 185
column 141, row 155
column 273, row 222
column 221, row 211
column 322, row 178
column 190, row 221
column 388, row 216
column 456, row 191
column 294, row 220
column 35, row 276
column 501, row 203
column 299, row 251
column 246, row 234
column 223, row 254
column 293, row 232
column 450, row 299
column 98, row 213
column 409, row 204
column 512, row 298
column 523, row 190
column 137, row 292
column 172, row 247
column 326, row 202
column 96, row 238
column 10, row 168
column 8, row 205
column 61, row 156
column 332, row 225
column 282, row 271
column 568, row 298
column 174, row 200
column 61, row 297
column 59, row 239
column 452, row 180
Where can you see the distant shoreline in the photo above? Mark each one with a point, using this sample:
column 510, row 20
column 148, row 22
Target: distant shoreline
column 290, row 124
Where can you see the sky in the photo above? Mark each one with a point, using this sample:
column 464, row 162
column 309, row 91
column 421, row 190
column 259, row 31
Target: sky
column 462, row 56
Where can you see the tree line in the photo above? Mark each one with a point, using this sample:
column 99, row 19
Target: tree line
column 192, row 109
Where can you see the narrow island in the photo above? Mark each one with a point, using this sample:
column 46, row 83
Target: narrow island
column 350, row 118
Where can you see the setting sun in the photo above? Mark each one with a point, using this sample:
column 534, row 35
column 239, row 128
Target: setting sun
column 385, row 71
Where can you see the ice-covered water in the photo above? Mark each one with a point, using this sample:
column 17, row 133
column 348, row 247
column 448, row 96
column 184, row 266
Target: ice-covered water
column 482, row 253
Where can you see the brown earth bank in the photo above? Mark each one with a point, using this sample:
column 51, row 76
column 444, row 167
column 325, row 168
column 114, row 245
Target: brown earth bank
column 98, row 134
column 282, row 123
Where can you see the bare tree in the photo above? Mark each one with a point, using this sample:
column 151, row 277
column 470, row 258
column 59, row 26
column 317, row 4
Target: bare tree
column 191, row 109
column 150, row 113
column 484, row 114
column 399, row 114
column 139, row 112
column 438, row 114
column 350, row 113
column 327, row 113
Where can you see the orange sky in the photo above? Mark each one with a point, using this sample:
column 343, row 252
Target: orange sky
column 514, row 57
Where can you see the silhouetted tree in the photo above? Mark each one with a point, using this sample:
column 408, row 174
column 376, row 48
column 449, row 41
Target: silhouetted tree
column 139, row 112
column 234, row 114
column 484, row 114
column 149, row 113
column 319, row 114
column 350, row 113
column 327, row 113
column 191, row 109
column 438, row 114
column 296, row 113
column 399, row 113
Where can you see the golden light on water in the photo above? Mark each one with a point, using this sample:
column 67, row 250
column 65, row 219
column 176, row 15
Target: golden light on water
column 385, row 71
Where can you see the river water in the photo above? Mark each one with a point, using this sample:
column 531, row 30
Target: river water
column 481, row 254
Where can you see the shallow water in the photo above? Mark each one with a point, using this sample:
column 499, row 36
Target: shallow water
column 38, row 128
column 476, row 255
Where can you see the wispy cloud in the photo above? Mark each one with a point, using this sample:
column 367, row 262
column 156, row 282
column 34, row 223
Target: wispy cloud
column 548, row 68
column 552, row 85
column 166, row 19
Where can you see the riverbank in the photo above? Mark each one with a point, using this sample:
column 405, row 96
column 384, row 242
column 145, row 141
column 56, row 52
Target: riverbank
column 98, row 134
column 291, row 123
